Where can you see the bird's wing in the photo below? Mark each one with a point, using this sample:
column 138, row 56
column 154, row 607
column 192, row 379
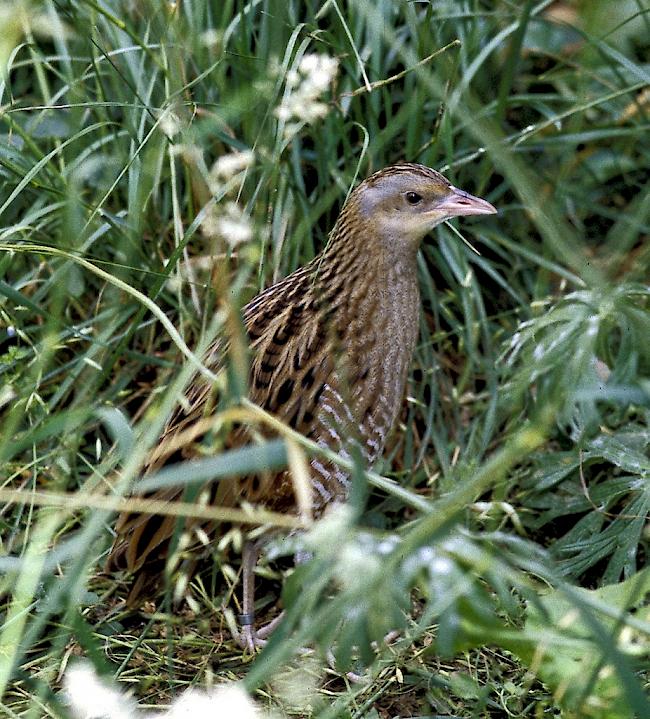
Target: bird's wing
column 289, row 370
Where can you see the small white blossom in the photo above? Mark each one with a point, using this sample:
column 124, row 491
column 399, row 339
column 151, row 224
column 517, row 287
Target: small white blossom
column 209, row 223
column 319, row 71
column 192, row 154
column 229, row 165
column 301, row 104
column 210, row 38
column 7, row 394
column 310, row 63
column 233, row 225
column 293, row 78
column 169, row 122
column 284, row 112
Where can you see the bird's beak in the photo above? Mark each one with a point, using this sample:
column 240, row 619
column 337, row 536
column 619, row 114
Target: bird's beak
column 460, row 203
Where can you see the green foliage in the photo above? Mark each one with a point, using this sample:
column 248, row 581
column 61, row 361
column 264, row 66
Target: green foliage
column 586, row 352
column 609, row 512
column 530, row 388
column 583, row 676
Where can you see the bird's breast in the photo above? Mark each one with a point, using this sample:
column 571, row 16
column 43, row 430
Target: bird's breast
column 376, row 330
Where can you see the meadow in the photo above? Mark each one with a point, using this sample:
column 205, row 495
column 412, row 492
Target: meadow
column 160, row 164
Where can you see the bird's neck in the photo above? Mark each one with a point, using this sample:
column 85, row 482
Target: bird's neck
column 359, row 253
column 370, row 283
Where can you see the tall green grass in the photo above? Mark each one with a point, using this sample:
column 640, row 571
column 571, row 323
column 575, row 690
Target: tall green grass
column 505, row 533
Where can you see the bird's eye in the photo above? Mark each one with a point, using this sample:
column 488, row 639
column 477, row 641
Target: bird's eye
column 413, row 198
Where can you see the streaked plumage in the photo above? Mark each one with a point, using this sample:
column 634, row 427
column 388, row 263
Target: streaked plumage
column 331, row 346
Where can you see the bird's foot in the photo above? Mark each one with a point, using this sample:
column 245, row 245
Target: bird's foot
column 250, row 639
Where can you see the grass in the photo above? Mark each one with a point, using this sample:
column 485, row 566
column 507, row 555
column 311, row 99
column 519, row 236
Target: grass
column 510, row 547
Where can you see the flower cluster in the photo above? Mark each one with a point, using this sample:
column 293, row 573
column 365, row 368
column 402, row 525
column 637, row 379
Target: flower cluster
column 229, row 221
column 233, row 225
column 301, row 103
column 227, row 166
column 169, row 122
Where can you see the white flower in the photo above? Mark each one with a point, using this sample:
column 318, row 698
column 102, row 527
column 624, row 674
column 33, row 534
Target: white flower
column 293, row 78
column 315, row 111
column 301, row 103
column 7, row 394
column 234, row 226
column 229, row 165
column 309, row 63
column 284, row 112
column 210, row 38
column 210, row 223
column 169, row 122
column 319, row 71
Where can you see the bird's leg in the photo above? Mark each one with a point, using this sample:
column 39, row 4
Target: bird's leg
column 248, row 638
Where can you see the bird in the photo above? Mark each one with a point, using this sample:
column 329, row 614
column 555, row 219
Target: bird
column 331, row 345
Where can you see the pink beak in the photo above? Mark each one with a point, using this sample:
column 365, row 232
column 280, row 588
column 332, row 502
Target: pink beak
column 460, row 203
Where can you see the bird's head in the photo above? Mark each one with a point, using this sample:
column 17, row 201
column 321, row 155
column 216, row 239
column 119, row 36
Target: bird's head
column 403, row 202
